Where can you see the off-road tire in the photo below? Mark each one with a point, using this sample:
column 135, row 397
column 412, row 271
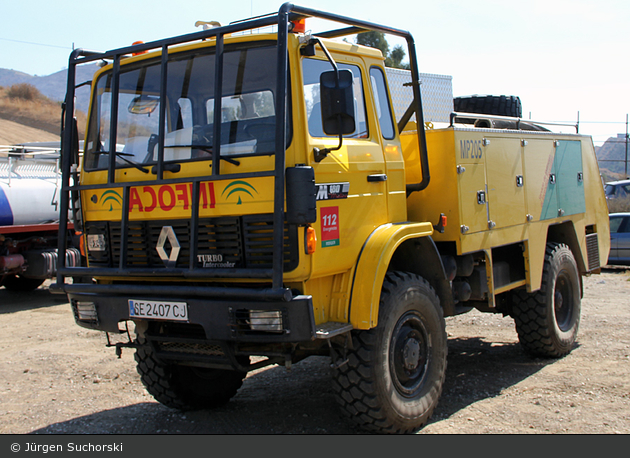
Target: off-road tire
column 497, row 105
column 547, row 320
column 395, row 372
column 185, row 387
column 19, row 283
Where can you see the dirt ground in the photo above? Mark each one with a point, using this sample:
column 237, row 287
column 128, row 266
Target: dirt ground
column 56, row 377
column 12, row 133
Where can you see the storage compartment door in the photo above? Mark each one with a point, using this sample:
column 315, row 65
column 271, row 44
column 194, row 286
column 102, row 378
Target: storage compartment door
column 504, row 170
column 568, row 165
column 472, row 195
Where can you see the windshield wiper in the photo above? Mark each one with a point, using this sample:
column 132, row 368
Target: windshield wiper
column 122, row 156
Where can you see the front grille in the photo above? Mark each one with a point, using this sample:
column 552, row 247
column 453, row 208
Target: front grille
column 191, row 348
column 224, row 242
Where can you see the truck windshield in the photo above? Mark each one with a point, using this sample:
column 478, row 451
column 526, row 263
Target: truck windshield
column 247, row 108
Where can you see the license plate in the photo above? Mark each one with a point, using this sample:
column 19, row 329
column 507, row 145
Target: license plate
column 158, row 310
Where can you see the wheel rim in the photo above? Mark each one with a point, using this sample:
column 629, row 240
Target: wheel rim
column 563, row 301
column 409, row 354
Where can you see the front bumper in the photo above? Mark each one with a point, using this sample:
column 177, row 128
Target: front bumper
column 227, row 320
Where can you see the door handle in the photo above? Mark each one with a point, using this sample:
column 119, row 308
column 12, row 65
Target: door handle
column 377, row 177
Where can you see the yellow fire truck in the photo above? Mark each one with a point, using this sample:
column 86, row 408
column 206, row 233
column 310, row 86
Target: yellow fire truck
column 250, row 198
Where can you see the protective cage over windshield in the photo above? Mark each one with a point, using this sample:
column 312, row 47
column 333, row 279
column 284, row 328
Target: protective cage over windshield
column 248, row 120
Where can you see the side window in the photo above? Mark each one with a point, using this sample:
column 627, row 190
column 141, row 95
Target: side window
column 311, row 69
column 625, row 226
column 381, row 100
column 615, row 224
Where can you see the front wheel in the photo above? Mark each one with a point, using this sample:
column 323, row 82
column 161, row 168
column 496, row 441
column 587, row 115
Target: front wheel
column 185, row 387
column 395, row 372
column 547, row 320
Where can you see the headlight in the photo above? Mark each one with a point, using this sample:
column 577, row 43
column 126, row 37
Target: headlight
column 264, row 320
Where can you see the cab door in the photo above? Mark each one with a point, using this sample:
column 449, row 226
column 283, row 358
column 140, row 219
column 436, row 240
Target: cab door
column 351, row 181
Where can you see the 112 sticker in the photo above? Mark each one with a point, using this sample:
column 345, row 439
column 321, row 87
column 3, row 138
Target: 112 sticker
column 330, row 226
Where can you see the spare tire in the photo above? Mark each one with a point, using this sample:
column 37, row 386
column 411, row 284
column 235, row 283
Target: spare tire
column 497, row 105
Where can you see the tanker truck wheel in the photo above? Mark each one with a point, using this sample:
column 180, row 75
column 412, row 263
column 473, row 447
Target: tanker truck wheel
column 19, row 283
column 395, row 372
column 547, row 320
column 185, row 387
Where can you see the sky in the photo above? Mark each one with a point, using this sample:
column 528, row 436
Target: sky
column 564, row 58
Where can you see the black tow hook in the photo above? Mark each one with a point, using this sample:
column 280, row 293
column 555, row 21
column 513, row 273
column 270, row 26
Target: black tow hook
column 120, row 345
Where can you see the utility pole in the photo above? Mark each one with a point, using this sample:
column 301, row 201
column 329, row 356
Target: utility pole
column 577, row 126
column 626, row 174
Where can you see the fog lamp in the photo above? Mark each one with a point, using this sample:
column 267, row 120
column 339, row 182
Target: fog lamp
column 86, row 311
column 265, row 320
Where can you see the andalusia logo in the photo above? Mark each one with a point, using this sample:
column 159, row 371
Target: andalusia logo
column 111, row 197
column 238, row 189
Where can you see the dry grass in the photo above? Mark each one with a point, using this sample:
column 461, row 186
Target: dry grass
column 25, row 91
column 24, row 104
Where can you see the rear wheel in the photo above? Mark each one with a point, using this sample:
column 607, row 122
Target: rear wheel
column 547, row 320
column 395, row 372
column 186, row 387
column 19, row 283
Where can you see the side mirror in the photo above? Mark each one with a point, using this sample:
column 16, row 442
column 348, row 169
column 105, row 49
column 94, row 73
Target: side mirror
column 301, row 195
column 74, row 195
column 337, row 102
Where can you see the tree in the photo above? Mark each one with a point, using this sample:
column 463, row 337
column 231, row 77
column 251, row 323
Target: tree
column 374, row 39
column 377, row 40
column 395, row 58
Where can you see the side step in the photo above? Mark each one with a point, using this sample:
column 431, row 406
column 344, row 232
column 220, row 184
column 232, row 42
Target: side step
column 331, row 329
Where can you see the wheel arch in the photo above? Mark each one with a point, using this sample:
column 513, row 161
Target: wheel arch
column 562, row 233
column 406, row 247
column 422, row 257
column 565, row 233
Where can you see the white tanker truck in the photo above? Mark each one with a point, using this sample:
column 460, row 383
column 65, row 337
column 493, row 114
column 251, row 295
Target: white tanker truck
column 30, row 181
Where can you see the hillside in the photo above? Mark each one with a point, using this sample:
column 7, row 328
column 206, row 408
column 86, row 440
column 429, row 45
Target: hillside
column 27, row 115
column 11, row 77
column 614, row 149
column 53, row 86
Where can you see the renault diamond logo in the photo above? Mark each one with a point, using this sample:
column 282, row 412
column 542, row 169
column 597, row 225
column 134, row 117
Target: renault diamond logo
column 168, row 233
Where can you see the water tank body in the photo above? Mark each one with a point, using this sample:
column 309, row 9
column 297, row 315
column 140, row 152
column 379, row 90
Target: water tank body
column 29, row 190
